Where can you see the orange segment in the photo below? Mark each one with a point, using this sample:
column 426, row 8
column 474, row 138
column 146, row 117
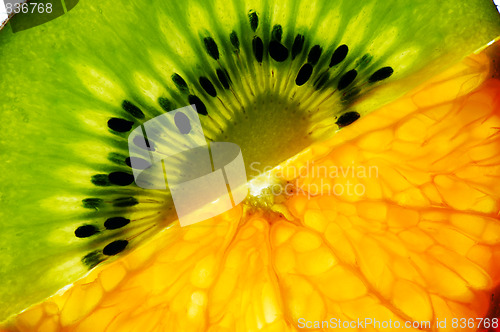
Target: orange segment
column 416, row 242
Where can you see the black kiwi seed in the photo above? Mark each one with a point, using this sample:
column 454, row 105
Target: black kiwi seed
column 277, row 32
column 121, row 178
column 339, row 55
column 258, row 48
column 92, row 203
column 115, row 247
column 132, row 109
column 347, row 79
column 182, row 123
column 200, row 106
column 381, row 74
column 120, row 125
column 347, row 118
column 211, row 48
column 223, row 78
column 179, row 82
column 297, row 46
column 233, row 37
column 277, row 51
column 254, row 20
column 125, row 202
column 143, row 143
column 208, row 86
column 304, row 74
column 116, row 222
column 314, row 54
column 100, row 180
column 86, row 231
column 165, row 104
column 137, row 163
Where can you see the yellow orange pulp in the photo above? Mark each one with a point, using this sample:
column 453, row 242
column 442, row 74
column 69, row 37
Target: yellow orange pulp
column 422, row 242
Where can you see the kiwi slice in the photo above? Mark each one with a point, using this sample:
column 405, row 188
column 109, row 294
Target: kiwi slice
column 270, row 76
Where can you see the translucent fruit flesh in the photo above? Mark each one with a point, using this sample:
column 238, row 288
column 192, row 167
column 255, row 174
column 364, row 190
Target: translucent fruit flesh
column 422, row 242
column 101, row 69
